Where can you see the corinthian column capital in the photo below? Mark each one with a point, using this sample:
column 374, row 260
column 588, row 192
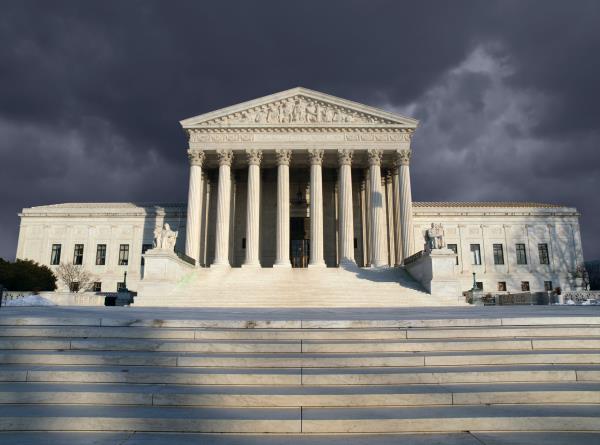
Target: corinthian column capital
column 375, row 156
column 196, row 157
column 345, row 156
column 254, row 156
column 284, row 156
column 403, row 157
column 316, row 156
column 225, row 157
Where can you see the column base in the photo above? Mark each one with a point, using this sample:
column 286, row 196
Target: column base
column 251, row 266
column 221, row 265
column 317, row 265
column 283, row 265
column 348, row 264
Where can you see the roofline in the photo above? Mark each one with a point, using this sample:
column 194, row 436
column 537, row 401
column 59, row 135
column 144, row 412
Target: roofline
column 188, row 122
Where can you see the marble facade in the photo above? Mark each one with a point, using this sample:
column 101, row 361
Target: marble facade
column 304, row 179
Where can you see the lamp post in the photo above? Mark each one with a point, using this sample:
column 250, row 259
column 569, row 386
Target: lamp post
column 474, row 283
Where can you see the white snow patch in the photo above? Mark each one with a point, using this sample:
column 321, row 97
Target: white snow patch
column 30, row 300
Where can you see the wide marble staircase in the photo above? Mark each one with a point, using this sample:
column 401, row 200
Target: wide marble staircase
column 309, row 380
column 292, row 288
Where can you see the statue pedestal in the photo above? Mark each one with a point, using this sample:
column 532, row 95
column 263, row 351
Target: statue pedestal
column 435, row 271
column 164, row 265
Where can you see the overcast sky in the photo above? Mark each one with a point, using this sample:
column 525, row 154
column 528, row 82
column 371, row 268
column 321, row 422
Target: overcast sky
column 507, row 92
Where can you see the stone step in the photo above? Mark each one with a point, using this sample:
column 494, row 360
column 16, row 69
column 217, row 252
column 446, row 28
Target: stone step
column 133, row 418
column 578, row 418
column 450, row 375
column 455, row 418
column 151, row 375
column 128, row 344
column 122, row 319
column 295, row 396
column 296, row 376
column 291, row 346
column 299, row 360
column 145, row 438
column 78, row 332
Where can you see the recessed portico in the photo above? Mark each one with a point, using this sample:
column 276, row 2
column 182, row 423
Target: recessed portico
column 299, row 154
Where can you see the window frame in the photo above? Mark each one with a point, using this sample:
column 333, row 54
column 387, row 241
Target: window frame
column 103, row 257
column 123, row 255
column 97, row 286
column 501, row 286
column 525, row 286
column 78, row 250
column 543, row 253
column 521, row 253
column 498, row 251
column 56, row 248
column 475, row 254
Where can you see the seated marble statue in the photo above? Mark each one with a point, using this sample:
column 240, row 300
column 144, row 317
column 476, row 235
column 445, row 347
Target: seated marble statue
column 165, row 238
column 435, row 237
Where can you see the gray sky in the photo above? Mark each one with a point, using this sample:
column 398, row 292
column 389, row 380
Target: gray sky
column 507, row 92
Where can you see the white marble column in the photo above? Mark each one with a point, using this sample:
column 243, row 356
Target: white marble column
column 406, row 225
column 378, row 254
column 363, row 220
column 194, row 208
column 397, row 224
column 316, row 208
column 223, row 208
column 346, row 215
column 253, row 208
column 389, row 195
column 283, row 208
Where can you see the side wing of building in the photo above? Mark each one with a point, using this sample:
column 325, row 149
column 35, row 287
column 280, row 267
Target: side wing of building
column 509, row 246
column 107, row 239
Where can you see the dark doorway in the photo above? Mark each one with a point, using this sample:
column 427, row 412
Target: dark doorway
column 299, row 241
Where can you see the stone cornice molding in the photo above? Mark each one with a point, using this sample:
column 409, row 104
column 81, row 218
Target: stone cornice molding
column 225, row 157
column 375, row 156
column 403, row 157
column 345, row 156
column 254, row 156
column 316, row 156
column 196, row 157
column 284, row 156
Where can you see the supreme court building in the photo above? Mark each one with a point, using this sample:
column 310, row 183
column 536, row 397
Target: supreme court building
column 309, row 196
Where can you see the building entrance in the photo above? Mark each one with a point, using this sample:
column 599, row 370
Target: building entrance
column 299, row 241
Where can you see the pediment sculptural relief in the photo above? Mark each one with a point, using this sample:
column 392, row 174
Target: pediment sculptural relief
column 297, row 110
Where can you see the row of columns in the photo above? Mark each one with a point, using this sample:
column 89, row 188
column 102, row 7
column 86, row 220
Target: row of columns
column 377, row 218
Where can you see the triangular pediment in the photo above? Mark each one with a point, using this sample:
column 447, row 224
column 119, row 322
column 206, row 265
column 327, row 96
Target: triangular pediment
column 299, row 107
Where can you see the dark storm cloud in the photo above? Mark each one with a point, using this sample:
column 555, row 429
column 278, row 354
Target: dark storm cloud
column 91, row 92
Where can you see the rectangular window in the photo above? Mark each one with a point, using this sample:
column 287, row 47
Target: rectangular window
column 55, row 255
column 78, row 254
column 74, row 286
column 498, row 254
column 123, row 254
column 479, row 285
column 97, row 286
column 145, row 248
column 502, row 286
column 543, row 252
column 475, row 254
column 454, row 248
column 120, row 286
column 521, row 254
column 100, row 254
column 525, row 286
column 547, row 285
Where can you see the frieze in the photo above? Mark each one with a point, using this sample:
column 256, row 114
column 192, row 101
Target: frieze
column 297, row 110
